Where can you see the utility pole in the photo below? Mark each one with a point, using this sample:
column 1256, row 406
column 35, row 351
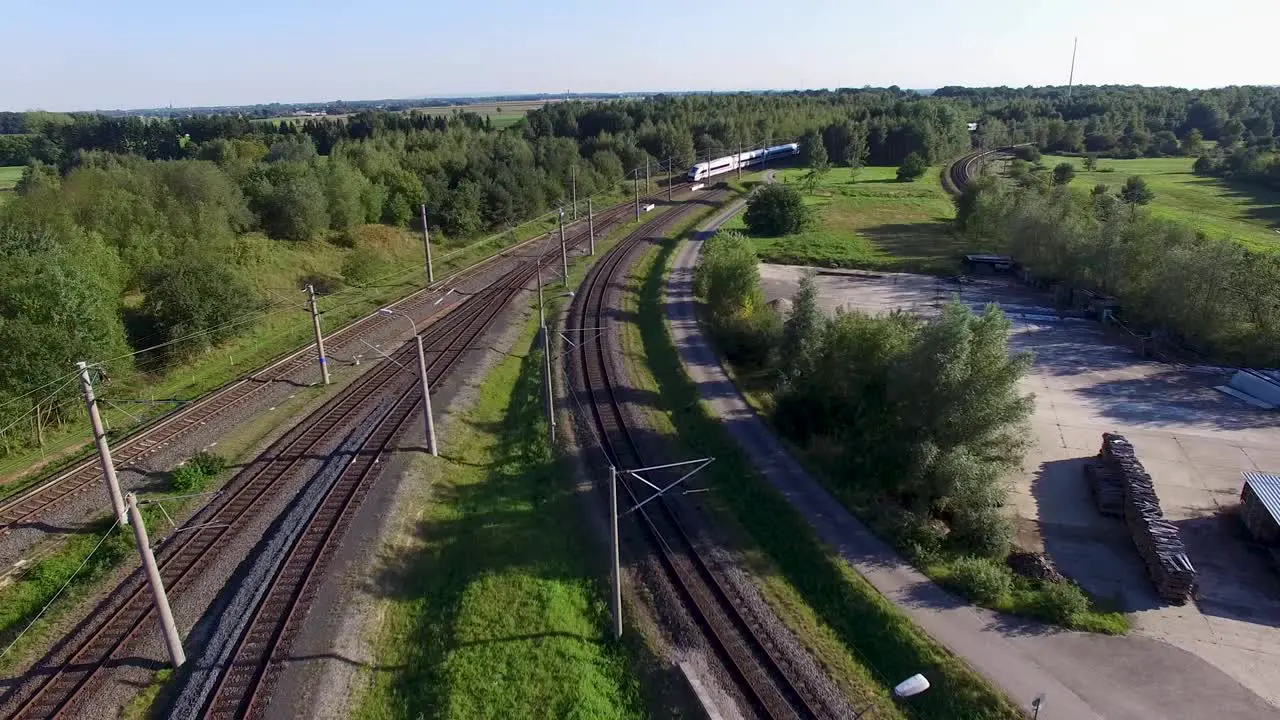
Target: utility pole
column 564, row 251
column 104, row 450
column 646, row 174
column 546, row 361
column 614, row 555
column 315, row 325
column 591, row 228
column 671, row 176
column 573, row 178
column 1071, row 77
column 432, row 446
column 635, row 182
column 426, row 243
column 171, row 640
column 426, row 394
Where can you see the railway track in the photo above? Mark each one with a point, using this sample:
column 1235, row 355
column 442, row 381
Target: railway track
column 748, row 655
column 83, row 659
column 965, row 168
column 245, row 685
column 30, row 505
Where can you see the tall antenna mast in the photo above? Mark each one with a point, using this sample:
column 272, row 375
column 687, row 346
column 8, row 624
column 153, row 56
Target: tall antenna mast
column 1071, row 78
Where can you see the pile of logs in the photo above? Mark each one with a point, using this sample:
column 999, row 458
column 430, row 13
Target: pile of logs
column 1158, row 540
column 1107, row 487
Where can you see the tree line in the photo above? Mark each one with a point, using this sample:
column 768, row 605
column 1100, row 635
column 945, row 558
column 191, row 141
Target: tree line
column 192, row 197
column 1210, row 295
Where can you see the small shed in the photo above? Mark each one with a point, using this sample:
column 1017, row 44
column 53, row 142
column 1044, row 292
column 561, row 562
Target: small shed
column 1260, row 506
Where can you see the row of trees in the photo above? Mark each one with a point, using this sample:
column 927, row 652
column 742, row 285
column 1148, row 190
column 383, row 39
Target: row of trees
column 1210, row 294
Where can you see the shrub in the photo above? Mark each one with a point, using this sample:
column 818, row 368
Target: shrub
column 912, row 167
column 748, row 341
column 981, row 529
column 1030, row 153
column 919, row 538
column 775, row 210
column 1062, row 602
column 362, row 265
column 193, row 475
column 187, row 479
column 981, row 579
column 208, row 463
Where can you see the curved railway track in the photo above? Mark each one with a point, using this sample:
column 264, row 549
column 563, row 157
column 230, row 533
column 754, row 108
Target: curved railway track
column 748, row 655
column 965, row 168
column 29, row 505
column 129, row 612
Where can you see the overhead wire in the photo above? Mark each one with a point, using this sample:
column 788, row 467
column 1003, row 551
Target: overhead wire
column 62, row 589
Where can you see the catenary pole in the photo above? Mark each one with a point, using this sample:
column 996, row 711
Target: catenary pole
column 104, row 450
column 671, row 176
column 564, row 251
column 614, row 555
column 315, row 325
column 172, row 642
column 646, row 174
column 591, row 228
column 546, row 361
column 573, row 179
column 426, row 243
column 635, row 182
column 426, row 395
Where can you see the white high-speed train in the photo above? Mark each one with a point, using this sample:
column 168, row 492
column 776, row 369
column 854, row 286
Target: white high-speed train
column 704, row 170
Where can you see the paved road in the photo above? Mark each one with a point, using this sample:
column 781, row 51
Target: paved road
column 1082, row 676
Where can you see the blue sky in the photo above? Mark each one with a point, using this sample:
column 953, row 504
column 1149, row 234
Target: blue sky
column 77, row 54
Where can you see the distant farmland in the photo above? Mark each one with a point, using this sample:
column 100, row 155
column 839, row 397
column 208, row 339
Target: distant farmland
column 502, row 113
column 9, row 176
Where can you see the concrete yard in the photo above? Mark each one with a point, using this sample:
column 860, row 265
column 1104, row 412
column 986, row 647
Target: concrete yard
column 1193, row 440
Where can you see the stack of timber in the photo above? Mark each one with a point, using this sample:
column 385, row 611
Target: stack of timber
column 1158, row 540
column 1107, row 487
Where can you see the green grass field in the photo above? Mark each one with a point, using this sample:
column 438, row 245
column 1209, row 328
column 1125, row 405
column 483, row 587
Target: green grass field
column 1242, row 212
column 493, row 608
column 9, row 176
column 874, row 223
column 502, row 114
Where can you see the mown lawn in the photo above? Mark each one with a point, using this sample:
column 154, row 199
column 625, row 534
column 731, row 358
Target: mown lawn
column 872, row 223
column 492, row 609
column 1238, row 211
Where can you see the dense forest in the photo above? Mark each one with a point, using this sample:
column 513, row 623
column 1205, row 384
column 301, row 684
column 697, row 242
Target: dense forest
column 163, row 216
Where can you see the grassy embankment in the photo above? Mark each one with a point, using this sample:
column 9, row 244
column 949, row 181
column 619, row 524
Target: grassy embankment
column 874, row 223
column 276, row 270
column 1242, row 212
column 492, row 608
column 864, row 643
column 9, row 176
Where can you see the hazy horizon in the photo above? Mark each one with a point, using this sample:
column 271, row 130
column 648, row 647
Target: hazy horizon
column 152, row 55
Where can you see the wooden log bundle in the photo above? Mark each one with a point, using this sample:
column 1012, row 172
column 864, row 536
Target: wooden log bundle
column 1157, row 540
column 1107, row 487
